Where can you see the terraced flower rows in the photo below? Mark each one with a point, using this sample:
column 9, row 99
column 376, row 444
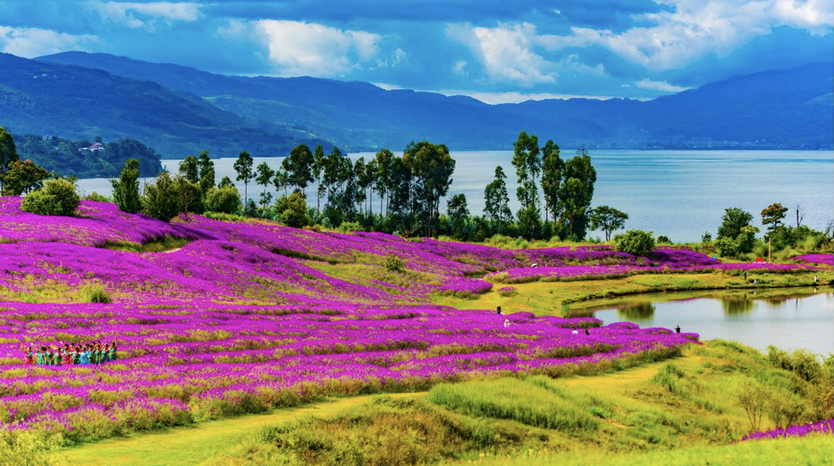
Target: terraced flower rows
column 251, row 315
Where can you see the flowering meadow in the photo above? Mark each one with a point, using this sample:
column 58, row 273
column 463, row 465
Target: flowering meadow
column 252, row 315
column 821, row 427
column 826, row 259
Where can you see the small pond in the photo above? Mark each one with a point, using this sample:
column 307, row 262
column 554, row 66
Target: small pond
column 795, row 318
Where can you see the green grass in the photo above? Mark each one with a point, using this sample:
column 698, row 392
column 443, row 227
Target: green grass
column 815, row 450
column 164, row 244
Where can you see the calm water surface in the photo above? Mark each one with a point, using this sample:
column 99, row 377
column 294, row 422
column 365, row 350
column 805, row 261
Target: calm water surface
column 680, row 194
column 798, row 318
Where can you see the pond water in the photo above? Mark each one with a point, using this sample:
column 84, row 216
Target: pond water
column 680, row 194
column 797, row 318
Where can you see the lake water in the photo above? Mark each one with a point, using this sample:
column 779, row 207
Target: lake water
column 680, row 194
column 788, row 319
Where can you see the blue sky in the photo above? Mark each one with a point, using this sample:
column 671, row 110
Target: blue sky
column 494, row 50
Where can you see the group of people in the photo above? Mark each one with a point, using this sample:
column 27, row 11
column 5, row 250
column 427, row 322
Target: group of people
column 66, row 355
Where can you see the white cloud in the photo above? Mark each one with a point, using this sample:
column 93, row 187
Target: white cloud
column 145, row 15
column 693, row 29
column 506, row 52
column 661, row 86
column 459, row 68
column 33, row 42
column 299, row 48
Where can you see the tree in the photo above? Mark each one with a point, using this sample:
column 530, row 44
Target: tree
column 552, row 170
column 772, row 216
column 126, row 188
column 607, row 219
column 527, row 165
column 575, row 194
column 226, row 182
column 636, row 243
column 161, row 199
column 190, row 196
column 800, row 214
column 264, row 178
column 384, row 158
column 370, row 181
column 206, row 172
column 458, row 212
column 497, row 200
column 753, row 398
column 56, row 197
column 293, row 210
column 189, row 169
column 224, row 200
column 318, row 169
column 8, row 153
column 732, row 222
column 300, row 167
column 23, row 177
column 281, row 180
column 243, row 167
column 432, row 167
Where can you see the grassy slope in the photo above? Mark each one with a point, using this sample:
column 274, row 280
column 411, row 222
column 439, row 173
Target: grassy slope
column 194, row 445
column 635, row 420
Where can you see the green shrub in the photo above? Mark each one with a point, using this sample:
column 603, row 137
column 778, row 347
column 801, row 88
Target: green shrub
column 94, row 196
column 94, row 293
column 225, row 200
column 161, row 199
column 636, row 243
column 293, row 210
column 57, row 197
column 393, row 263
column 126, row 188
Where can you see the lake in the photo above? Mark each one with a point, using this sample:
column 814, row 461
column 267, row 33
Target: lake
column 680, row 194
column 789, row 319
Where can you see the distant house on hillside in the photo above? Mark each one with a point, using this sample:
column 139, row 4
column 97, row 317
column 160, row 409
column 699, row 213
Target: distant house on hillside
column 93, row 148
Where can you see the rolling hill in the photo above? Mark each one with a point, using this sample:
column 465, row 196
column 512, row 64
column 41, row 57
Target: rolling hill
column 773, row 109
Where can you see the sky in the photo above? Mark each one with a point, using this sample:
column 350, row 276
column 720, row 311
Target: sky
column 494, row 50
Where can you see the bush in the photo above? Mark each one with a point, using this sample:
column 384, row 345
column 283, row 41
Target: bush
column 225, row 200
column 636, row 243
column 94, row 196
column 162, row 198
column 292, row 210
column 393, row 263
column 57, row 197
column 94, row 293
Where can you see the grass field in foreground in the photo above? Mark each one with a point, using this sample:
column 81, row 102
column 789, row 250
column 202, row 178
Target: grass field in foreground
column 681, row 411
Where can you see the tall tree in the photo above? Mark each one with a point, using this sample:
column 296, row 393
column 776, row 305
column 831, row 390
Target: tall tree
column 772, row 216
column 384, row 158
column 8, row 153
column 281, row 180
column 575, row 195
column 607, row 219
column 264, row 177
column 527, row 165
column 497, row 200
column 552, row 170
column 432, row 166
column 362, row 183
column 243, row 167
column 126, row 188
column 189, row 169
column 206, row 172
column 458, row 212
column 318, row 170
column 371, row 180
column 300, row 167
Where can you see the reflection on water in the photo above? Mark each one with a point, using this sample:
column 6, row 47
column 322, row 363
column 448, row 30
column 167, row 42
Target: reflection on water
column 737, row 307
column 638, row 312
column 787, row 318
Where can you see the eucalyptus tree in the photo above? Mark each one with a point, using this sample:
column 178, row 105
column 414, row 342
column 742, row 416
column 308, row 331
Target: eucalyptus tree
column 575, row 194
column 205, row 166
column 497, row 201
column 263, row 177
column 318, row 170
column 384, row 160
column 552, row 170
column 189, row 169
column 243, row 167
column 300, row 167
column 432, row 167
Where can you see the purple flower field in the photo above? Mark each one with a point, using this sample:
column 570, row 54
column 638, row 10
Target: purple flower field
column 821, row 427
column 827, row 259
column 253, row 315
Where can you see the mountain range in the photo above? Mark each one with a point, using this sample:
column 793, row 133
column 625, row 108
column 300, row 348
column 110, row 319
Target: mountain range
column 178, row 110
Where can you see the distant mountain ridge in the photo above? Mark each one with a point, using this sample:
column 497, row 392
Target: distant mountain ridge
column 774, row 109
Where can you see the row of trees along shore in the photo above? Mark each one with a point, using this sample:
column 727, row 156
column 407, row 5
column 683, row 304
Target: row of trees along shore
column 395, row 194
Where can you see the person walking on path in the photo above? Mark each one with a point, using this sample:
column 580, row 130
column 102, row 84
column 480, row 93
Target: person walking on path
column 677, row 329
column 499, row 311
